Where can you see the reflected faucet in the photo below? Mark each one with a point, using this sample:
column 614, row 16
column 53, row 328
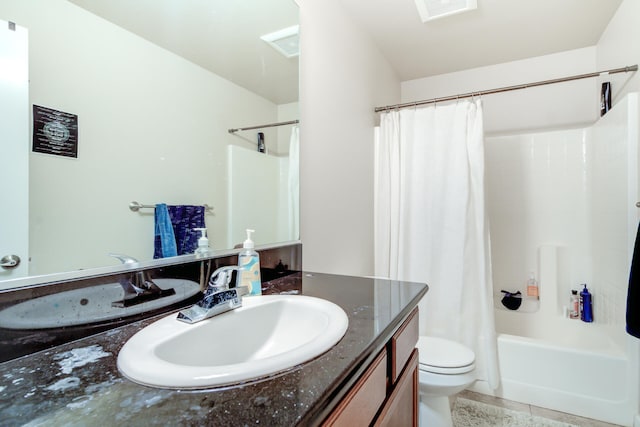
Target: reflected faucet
column 138, row 287
column 218, row 298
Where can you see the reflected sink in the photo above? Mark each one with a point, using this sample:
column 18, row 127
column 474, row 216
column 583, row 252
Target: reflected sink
column 88, row 305
column 267, row 335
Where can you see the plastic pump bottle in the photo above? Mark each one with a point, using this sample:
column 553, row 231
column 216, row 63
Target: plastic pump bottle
column 574, row 305
column 249, row 267
column 532, row 286
column 586, row 305
column 203, row 243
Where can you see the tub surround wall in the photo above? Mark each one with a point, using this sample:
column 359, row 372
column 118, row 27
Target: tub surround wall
column 567, row 213
column 78, row 382
column 246, row 193
column 562, row 204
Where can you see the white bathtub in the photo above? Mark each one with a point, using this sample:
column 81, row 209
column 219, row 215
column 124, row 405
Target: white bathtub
column 569, row 366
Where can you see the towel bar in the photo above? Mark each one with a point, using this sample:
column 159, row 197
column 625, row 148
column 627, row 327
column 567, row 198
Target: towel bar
column 135, row 207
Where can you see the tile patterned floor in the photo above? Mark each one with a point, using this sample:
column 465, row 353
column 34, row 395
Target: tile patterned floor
column 534, row 410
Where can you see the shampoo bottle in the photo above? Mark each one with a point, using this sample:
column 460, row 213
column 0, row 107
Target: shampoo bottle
column 249, row 267
column 532, row 286
column 586, row 305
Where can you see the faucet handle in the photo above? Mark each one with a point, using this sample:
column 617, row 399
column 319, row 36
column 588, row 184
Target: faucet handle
column 221, row 278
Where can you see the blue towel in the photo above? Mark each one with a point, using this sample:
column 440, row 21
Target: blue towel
column 165, row 240
column 183, row 220
column 633, row 293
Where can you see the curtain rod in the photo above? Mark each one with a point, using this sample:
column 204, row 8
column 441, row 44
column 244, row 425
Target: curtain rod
column 507, row 88
column 270, row 125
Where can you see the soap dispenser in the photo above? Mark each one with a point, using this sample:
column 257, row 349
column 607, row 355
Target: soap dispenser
column 249, row 267
column 203, row 243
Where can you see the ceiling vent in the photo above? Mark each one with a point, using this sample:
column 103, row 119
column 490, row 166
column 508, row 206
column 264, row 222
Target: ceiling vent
column 434, row 9
column 285, row 41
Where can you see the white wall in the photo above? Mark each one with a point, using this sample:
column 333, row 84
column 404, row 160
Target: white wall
column 152, row 128
column 619, row 46
column 342, row 78
column 568, row 104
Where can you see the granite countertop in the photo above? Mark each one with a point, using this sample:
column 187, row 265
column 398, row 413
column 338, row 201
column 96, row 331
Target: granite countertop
column 78, row 383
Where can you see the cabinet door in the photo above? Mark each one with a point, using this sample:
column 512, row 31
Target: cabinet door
column 362, row 402
column 401, row 409
column 403, row 343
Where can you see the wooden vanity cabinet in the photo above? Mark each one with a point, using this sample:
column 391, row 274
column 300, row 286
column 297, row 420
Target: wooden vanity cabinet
column 387, row 393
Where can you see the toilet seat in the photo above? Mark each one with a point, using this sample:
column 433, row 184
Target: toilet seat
column 441, row 356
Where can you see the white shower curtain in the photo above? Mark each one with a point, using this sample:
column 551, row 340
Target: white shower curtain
column 294, row 184
column 431, row 224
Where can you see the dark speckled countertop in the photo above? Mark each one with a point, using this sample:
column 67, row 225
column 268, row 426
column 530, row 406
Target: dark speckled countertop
column 78, row 384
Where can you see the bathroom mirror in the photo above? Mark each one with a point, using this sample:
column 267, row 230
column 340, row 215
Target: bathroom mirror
column 156, row 85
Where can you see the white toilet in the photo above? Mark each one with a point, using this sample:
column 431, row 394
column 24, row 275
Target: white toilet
column 445, row 368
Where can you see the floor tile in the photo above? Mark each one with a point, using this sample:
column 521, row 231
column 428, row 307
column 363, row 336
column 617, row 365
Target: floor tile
column 533, row 410
column 568, row 418
column 496, row 401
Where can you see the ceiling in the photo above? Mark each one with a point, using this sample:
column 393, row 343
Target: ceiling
column 497, row 31
column 223, row 35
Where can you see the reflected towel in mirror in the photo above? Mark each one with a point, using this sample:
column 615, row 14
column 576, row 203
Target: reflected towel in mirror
column 174, row 229
column 165, row 241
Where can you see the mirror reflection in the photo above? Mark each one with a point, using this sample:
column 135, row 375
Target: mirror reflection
column 156, row 86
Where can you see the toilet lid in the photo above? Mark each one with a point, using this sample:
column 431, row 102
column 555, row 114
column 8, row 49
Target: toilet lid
column 440, row 355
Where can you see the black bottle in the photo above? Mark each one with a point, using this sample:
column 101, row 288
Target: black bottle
column 261, row 147
column 605, row 98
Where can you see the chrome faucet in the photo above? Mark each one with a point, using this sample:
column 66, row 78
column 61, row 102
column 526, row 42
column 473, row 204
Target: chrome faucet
column 220, row 279
column 138, row 288
column 218, row 298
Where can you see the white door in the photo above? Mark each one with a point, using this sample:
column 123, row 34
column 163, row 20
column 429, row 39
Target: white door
column 14, row 151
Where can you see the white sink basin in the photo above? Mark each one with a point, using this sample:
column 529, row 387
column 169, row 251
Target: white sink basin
column 268, row 334
column 88, row 305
